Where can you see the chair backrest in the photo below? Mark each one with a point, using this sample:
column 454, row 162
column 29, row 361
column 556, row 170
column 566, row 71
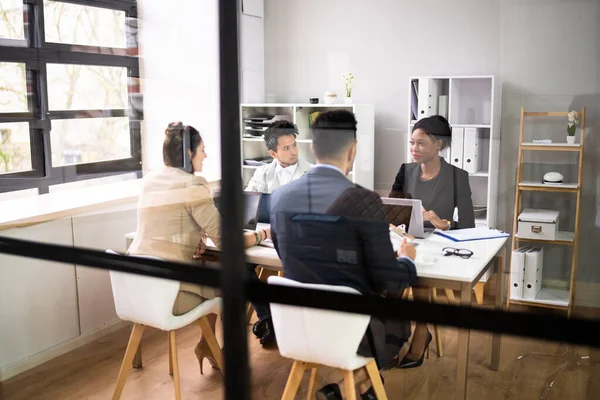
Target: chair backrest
column 144, row 299
column 320, row 336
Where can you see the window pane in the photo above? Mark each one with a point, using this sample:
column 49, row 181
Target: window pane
column 15, row 151
column 86, row 87
column 11, row 20
column 76, row 141
column 13, row 87
column 84, row 25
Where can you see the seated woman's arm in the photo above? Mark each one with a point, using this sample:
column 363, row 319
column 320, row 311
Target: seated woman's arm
column 207, row 216
column 398, row 186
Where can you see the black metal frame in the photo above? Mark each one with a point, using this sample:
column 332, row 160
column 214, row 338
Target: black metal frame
column 36, row 56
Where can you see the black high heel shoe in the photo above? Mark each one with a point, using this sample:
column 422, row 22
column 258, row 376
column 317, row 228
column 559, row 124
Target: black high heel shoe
column 408, row 363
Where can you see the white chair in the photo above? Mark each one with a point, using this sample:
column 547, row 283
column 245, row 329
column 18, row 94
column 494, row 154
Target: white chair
column 148, row 301
column 314, row 338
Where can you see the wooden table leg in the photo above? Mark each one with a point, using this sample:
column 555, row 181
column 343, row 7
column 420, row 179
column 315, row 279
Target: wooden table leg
column 463, row 348
column 137, row 360
column 497, row 338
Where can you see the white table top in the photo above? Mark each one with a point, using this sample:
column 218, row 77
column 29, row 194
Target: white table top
column 430, row 262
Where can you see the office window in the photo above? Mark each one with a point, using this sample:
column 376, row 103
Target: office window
column 70, row 103
column 91, row 87
column 13, row 87
column 76, row 141
column 83, row 25
column 12, row 24
column 15, row 147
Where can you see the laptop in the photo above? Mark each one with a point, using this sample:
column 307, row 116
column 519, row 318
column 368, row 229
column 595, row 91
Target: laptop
column 264, row 209
column 252, row 201
column 416, row 227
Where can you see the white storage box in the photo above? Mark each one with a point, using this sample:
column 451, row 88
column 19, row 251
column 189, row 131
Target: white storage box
column 538, row 224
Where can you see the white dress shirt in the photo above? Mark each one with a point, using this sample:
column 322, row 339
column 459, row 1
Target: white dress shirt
column 286, row 174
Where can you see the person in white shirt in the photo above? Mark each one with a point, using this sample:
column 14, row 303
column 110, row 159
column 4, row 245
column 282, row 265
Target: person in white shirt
column 286, row 166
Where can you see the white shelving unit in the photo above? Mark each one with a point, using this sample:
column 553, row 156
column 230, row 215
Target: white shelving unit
column 473, row 102
column 299, row 114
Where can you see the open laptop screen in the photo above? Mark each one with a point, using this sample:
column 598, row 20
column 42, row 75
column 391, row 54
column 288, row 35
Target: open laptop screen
column 251, row 203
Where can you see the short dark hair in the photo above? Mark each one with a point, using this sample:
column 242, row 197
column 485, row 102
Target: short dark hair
column 173, row 143
column 278, row 129
column 332, row 132
column 437, row 128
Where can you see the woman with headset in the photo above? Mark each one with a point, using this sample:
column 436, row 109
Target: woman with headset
column 176, row 213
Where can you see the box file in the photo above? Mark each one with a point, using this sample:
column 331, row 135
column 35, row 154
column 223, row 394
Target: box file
column 456, row 150
column 532, row 283
column 517, row 273
column 429, row 91
column 538, row 224
column 473, row 150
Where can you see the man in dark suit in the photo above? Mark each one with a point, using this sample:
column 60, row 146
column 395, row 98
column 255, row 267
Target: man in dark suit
column 326, row 190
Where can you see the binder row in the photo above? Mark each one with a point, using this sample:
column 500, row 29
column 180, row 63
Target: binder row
column 526, row 272
column 467, row 149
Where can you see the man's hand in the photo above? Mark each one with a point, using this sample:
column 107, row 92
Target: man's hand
column 407, row 250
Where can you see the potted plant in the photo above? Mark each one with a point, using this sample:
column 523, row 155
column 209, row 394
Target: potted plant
column 572, row 127
column 348, row 79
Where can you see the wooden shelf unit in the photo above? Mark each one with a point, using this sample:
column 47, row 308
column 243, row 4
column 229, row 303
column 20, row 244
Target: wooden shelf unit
column 550, row 297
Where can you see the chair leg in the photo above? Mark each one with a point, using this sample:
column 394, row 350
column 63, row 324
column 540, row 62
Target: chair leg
column 280, row 273
column 479, row 292
column 170, row 354
column 173, row 357
column 350, row 385
column 134, row 342
column 211, row 340
column 311, row 384
column 249, row 313
column 261, row 272
column 375, row 378
column 450, row 296
column 293, row 382
column 436, row 329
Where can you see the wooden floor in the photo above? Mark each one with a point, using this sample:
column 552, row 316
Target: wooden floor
column 91, row 371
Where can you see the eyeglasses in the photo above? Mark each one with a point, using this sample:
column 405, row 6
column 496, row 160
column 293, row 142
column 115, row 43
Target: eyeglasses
column 462, row 253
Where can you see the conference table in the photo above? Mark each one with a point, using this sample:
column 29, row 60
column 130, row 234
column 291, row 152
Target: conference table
column 435, row 271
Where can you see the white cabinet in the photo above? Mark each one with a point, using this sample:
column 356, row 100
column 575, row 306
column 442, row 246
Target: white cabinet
column 253, row 145
column 474, row 113
column 38, row 299
column 102, row 231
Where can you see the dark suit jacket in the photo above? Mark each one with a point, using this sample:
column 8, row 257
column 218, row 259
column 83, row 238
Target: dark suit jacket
column 453, row 191
column 378, row 270
column 354, row 251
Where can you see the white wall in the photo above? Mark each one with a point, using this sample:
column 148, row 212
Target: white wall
column 179, row 44
column 310, row 43
column 546, row 53
column 180, row 74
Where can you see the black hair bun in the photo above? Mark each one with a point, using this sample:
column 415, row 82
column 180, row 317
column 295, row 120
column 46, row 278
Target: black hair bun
column 175, row 129
column 435, row 125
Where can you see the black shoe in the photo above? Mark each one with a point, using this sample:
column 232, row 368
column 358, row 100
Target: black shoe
column 268, row 339
column 408, row 363
column 329, row 392
column 259, row 328
column 370, row 393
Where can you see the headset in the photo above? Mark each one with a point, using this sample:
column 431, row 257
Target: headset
column 186, row 148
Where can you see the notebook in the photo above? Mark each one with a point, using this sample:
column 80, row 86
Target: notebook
column 466, row 235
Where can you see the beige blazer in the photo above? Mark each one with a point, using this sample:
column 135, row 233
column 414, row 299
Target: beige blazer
column 174, row 209
column 265, row 179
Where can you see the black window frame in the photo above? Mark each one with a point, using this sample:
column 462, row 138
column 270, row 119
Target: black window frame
column 36, row 55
